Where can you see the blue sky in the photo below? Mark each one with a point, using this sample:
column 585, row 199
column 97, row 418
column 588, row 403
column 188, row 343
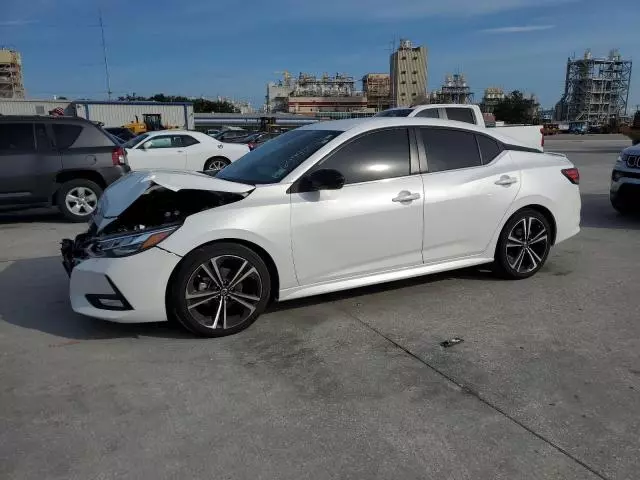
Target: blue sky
column 233, row 47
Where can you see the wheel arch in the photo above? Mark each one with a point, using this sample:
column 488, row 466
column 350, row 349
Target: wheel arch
column 221, row 157
column 260, row 251
column 67, row 175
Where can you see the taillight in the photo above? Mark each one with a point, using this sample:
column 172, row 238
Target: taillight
column 572, row 174
column 542, row 137
column 118, row 156
column 251, row 145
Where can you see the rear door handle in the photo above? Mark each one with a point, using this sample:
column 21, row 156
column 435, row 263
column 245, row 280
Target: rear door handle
column 406, row 196
column 506, row 180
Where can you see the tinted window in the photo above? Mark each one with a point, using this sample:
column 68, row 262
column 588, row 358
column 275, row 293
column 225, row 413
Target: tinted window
column 460, row 115
column 377, row 155
column 66, row 134
column 395, row 112
column 489, row 148
column 429, row 113
column 17, row 137
column 188, row 140
column 43, row 142
column 164, row 141
column 450, row 149
column 276, row 159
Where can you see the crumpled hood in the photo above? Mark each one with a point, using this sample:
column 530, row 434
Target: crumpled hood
column 119, row 195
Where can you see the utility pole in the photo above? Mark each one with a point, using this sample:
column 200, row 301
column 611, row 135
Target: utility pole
column 104, row 52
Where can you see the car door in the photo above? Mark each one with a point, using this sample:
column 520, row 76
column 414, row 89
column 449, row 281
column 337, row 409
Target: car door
column 372, row 224
column 195, row 151
column 27, row 169
column 469, row 184
column 159, row 151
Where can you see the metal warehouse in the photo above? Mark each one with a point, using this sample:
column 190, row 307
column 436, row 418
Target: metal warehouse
column 111, row 114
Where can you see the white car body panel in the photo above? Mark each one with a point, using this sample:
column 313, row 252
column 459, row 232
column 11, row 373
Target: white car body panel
column 332, row 240
column 192, row 157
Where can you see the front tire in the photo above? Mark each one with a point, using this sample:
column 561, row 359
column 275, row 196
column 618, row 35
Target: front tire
column 77, row 199
column 523, row 246
column 215, row 164
column 219, row 290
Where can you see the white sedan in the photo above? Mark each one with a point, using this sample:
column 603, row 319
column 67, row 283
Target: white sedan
column 181, row 149
column 326, row 207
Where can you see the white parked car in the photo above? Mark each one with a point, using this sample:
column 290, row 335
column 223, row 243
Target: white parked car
column 530, row 135
column 181, row 150
column 329, row 206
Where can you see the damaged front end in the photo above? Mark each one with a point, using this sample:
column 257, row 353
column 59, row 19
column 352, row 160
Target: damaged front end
column 140, row 210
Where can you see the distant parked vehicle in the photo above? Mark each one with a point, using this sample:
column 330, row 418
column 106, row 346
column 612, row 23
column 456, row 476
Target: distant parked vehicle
column 121, row 132
column 56, row 161
column 181, row 150
column 530, row 135
column 228, row 135
column 624, row 192
column 578, row 128
column 255, row 139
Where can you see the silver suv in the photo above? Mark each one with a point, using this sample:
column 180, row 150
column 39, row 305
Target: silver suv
column 625, row 181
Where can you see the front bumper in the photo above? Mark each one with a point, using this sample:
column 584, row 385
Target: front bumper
column 125, row 290
column 625, row 183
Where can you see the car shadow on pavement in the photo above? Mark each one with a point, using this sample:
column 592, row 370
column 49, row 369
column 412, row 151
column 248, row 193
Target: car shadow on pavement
column 47, row 215
column 34, row 294
column 597, row 212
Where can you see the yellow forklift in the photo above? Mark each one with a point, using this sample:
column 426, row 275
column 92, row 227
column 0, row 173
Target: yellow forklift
column 151, row 122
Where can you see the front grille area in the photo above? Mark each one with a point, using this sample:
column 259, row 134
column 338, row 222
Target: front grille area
column 633, row 161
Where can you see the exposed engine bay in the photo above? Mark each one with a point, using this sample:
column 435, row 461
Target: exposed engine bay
column 157, row 208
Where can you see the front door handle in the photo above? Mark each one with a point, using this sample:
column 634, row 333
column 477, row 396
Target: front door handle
column 406, row 196
column 506, row 180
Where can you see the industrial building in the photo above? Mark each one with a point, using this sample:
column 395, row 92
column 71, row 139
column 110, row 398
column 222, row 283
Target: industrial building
column 408, row 67
column 310, row 94
column 111, row 114
column 454, row 90
column 492, row 97
column 377, row 89
column 596, row 89
column 11, row 81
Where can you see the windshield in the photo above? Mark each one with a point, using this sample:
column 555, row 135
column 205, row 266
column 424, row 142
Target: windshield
column 135, row 141
column 277, row 158
column 395, row 112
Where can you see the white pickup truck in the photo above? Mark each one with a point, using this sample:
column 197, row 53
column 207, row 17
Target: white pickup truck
column 527, row 134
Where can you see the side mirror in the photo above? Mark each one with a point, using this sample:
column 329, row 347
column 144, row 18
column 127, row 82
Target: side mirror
column 324, row 179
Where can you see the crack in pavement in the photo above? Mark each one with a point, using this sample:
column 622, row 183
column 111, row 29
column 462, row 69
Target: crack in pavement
column 477, row 395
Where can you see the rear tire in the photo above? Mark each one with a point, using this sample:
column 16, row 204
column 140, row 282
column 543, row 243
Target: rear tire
column 215, row 164
column 77, row 199
column 523, row 245
column 219, row 290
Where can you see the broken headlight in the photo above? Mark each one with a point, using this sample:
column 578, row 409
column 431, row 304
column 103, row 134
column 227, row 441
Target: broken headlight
column 130, row 243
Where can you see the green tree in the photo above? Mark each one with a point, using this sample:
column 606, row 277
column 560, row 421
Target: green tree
column 200, row 105
column 515, row 108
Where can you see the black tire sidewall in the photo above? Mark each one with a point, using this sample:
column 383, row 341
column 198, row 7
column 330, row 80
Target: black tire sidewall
column 176, row 303
column 503, row 268
column 70, row 185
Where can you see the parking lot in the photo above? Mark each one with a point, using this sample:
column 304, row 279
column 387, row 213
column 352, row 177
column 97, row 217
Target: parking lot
column 545, row 385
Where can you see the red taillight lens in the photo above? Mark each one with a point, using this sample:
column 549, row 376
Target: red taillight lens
column 542, row 137
column 118, row 156
column 572, row 174
column 251, row 145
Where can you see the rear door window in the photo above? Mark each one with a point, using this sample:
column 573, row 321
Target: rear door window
column 17, row 137
column 429, row 113
column 460, row 114
column 66, row 135
column 449, row 149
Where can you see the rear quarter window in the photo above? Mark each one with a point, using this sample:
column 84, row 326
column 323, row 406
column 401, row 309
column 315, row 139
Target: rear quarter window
column 461, row 115
column 66, row 135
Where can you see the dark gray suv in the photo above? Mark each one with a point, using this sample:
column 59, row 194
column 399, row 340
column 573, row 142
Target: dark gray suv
column 61, row 161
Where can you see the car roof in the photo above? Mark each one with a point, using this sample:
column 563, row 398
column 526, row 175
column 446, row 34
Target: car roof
column 361, row 125
column 174, row 132
column 43, row 118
